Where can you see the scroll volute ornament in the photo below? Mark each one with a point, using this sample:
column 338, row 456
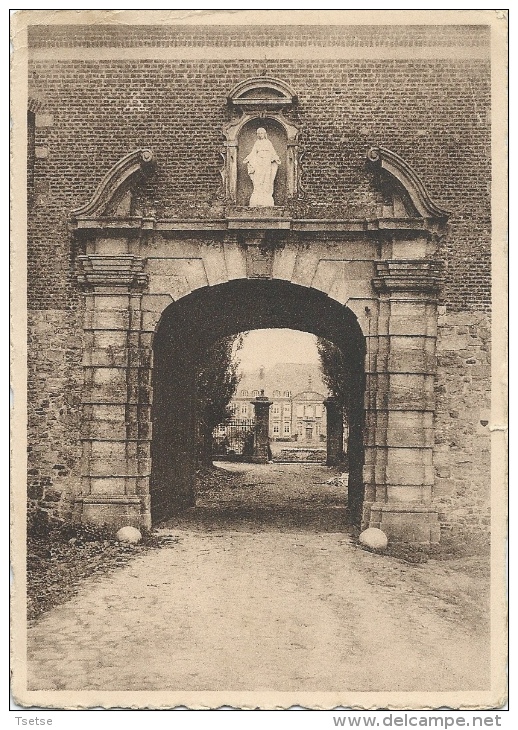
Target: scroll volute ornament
column 115, row 183
column 398, row 170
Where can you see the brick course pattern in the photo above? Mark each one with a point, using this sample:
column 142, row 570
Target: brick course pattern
column 66, row 36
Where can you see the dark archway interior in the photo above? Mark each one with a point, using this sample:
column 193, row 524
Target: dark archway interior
column 188, row 327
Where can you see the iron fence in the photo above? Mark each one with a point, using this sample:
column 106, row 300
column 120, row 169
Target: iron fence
column 234, row 438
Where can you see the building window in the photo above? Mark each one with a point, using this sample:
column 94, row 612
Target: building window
column 255, row 393
column 287, row 409
column 276, row 410
column 287, row 428
column 276, row 428
column 244, row 393
column 276, row 393
column 287, row 393
column 318, row 411
column 244, row 409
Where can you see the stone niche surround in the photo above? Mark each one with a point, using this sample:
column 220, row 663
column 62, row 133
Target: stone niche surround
column 255, row 102
column 396, row 308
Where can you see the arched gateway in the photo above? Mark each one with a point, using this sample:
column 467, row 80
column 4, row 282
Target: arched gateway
column 192, row 324
column 159, row 291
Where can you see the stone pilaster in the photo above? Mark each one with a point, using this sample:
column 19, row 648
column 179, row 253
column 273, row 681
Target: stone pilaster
column 117, row 393
column 335, row 431
column 261, row 406
column 401, row 368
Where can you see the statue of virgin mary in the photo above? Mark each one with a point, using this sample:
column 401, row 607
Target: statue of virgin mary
column 262, row 164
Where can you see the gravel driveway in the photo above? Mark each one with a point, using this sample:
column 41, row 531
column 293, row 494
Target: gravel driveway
column 261, row 588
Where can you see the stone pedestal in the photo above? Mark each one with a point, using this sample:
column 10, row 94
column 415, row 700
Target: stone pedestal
column 261, row 406
column 398, row 472
column 335, row 431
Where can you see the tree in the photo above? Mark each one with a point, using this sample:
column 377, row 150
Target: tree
column 334, row 370
column 216, row 381
column 347, row 385
column 335, row 376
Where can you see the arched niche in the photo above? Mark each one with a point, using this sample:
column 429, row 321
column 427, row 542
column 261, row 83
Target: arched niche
column 260, row 102
column 247, row 137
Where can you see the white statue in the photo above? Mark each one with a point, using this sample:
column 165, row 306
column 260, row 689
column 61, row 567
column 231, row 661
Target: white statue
column 262, row 164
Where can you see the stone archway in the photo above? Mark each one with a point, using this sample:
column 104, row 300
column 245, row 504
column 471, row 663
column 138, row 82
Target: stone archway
column 190, row 325
column 383, row 270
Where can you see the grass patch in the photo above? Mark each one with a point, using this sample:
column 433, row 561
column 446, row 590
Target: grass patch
column 61, row 555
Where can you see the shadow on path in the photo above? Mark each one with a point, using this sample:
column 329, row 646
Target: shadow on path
column 258, row 519
column 269, row 497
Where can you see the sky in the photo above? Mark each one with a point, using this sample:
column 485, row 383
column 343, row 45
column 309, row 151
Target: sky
column 270, row 346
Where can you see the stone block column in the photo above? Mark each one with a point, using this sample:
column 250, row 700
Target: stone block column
column 261, row 406
column 117, row 394
column 335, row 431
column 398, row 470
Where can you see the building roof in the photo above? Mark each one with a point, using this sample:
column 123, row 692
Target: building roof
column 294, row 377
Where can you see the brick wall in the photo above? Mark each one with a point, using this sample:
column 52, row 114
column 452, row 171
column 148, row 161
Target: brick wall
column 63, row 36
column 431, row 112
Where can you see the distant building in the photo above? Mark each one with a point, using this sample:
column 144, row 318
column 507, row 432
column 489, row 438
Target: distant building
column 298, row 393
column 309, row 416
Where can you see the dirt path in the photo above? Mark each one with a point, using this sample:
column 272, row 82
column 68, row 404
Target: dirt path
column 252, row 596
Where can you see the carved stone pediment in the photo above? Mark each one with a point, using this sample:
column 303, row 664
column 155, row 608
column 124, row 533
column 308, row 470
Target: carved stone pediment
column 262, row 92
column 409, row 195
column 112, row 195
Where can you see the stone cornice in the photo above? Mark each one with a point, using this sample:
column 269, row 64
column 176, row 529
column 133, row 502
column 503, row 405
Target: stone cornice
column 123, row 271
column 418, row 275
column 304, row 53
column 323, row 225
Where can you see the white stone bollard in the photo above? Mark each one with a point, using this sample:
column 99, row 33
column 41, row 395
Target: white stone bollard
column 129, row 534
column 374, row 538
